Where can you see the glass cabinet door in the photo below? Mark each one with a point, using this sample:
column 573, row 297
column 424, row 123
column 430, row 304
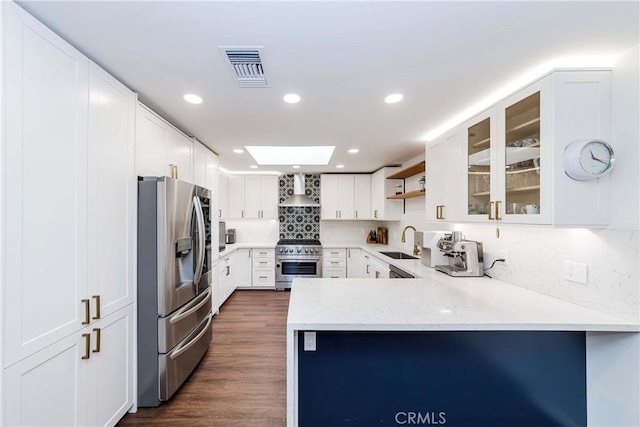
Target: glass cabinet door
column 479, row 167
column 522, row 157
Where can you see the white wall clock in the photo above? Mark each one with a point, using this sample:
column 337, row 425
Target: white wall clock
column 588, row 159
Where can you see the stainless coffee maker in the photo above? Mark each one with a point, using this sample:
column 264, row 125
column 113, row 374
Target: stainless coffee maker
column 465, row 256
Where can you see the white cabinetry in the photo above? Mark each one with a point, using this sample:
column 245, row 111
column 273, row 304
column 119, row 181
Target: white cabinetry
column 223, row 198
column 355, row 263
column 345, row 196
column 253, row 196
column 261, row 196
column 443, row 203
column 375, row 268
column 244, row 267
column 161, row 150
column 69, row 195
column 264, row 273
column 381, row 207
column 199, row 164
column 513, row 153
column 72, row 382
column 226, row 277
column 334, row 263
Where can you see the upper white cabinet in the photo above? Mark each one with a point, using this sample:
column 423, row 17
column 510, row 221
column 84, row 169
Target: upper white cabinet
column 199, row 164
column 345, row 196
column 381, row 207
column 223, row 195
column 513, row 153
column 337, row 196
column 261, row 196
column 161, row 150
column 253, row 196
column 362, row 196
column 69, row 198
column 444, row 153
column 212, row 171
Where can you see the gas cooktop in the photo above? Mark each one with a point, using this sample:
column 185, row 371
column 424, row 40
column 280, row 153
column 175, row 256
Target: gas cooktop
column 299, row 242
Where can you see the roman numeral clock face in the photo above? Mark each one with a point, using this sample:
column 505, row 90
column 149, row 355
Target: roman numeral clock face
column 588, row 159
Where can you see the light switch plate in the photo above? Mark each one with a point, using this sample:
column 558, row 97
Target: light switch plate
column 309, row 341
column 575, row 272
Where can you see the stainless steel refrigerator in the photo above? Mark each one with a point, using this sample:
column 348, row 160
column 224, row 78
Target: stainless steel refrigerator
column 174, row 284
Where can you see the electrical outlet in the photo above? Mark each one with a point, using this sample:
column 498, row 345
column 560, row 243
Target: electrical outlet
column 309, row 341
column 575, row 272
column 504, row 254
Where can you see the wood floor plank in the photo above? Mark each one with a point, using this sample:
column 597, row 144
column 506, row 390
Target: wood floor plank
column 241, row 381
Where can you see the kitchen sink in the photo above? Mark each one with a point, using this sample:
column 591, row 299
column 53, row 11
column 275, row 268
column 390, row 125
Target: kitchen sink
column 398, row 255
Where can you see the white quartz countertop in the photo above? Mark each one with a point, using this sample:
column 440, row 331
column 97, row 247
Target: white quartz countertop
column 437, row 303
column 230, row 247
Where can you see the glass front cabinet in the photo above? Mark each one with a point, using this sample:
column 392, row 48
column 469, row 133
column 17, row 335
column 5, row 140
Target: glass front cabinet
column 513, row 153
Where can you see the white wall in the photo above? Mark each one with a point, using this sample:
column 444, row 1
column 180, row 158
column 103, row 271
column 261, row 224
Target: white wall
column 537, row 253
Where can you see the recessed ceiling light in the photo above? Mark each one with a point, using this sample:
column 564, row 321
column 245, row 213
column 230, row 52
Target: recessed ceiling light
column 339, row 166
column 296, row 166
column 291, row 98
column 192, row 98
column 253, row 167
column 291, row 155
column 238, row 151
column 354, row 150
column 393, row 98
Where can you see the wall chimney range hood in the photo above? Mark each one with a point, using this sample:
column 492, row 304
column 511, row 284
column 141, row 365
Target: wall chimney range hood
column 299, row 198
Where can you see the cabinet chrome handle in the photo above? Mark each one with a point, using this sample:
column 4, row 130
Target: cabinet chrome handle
column 335, row 277
column 263, row 277
column 87, row 346
column 367, row 269
column 87, row 311
column 441, row 211
column 498, row 210
column 356, row 214
column 96, row 298
column 97, row 349
column 490, row 210
column 242, row 213
column 219, row 213
column 377, row 274
column 228, row 270
column 335, row 262
column 336, row 214
column 375, row 213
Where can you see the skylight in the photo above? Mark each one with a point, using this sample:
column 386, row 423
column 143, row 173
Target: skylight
column 291, row 155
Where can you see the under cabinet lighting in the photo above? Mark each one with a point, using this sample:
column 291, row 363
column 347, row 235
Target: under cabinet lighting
column 340, row 166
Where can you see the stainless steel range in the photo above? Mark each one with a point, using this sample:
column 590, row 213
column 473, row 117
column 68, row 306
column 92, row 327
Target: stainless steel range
column 297, row 258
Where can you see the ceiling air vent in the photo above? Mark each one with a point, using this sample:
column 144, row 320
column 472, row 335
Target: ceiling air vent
column 246, row 65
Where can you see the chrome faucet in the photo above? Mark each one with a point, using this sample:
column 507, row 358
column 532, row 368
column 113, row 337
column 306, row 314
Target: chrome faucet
column 416, row 250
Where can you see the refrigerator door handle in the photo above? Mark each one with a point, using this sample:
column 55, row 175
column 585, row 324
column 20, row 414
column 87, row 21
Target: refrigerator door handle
column 178, row 351
column 187, row 311
column 197, row 274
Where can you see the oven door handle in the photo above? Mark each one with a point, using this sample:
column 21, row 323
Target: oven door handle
column 298, row 259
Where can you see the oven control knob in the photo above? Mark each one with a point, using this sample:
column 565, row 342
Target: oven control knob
column 306, row 251
column 290, row 250
column 317, row 250
column 299, row 250
column 281, row 250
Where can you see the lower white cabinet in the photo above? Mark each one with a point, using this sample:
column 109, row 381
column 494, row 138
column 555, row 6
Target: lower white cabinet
column 226, row 277
column 84, row 379
column 243, row 267
column 355, row 261
column 263, row 268
column 334, row 263
column 375, row 268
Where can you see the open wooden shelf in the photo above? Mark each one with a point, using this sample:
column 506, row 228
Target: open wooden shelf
column 408, row 195
column 409, row 171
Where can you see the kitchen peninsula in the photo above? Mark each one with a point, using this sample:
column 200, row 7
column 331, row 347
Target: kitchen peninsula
column 439, row 350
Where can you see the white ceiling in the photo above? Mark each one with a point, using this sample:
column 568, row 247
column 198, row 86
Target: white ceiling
column 342, row 58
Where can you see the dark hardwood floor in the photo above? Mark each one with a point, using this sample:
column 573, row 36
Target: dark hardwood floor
column 242, row 379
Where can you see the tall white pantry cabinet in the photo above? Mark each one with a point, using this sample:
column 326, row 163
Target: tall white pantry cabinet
column 68, row 232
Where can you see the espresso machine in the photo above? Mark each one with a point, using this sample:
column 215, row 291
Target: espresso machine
column 465, row 256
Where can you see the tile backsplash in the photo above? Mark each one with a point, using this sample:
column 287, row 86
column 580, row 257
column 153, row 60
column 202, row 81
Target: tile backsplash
column 299, row 222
